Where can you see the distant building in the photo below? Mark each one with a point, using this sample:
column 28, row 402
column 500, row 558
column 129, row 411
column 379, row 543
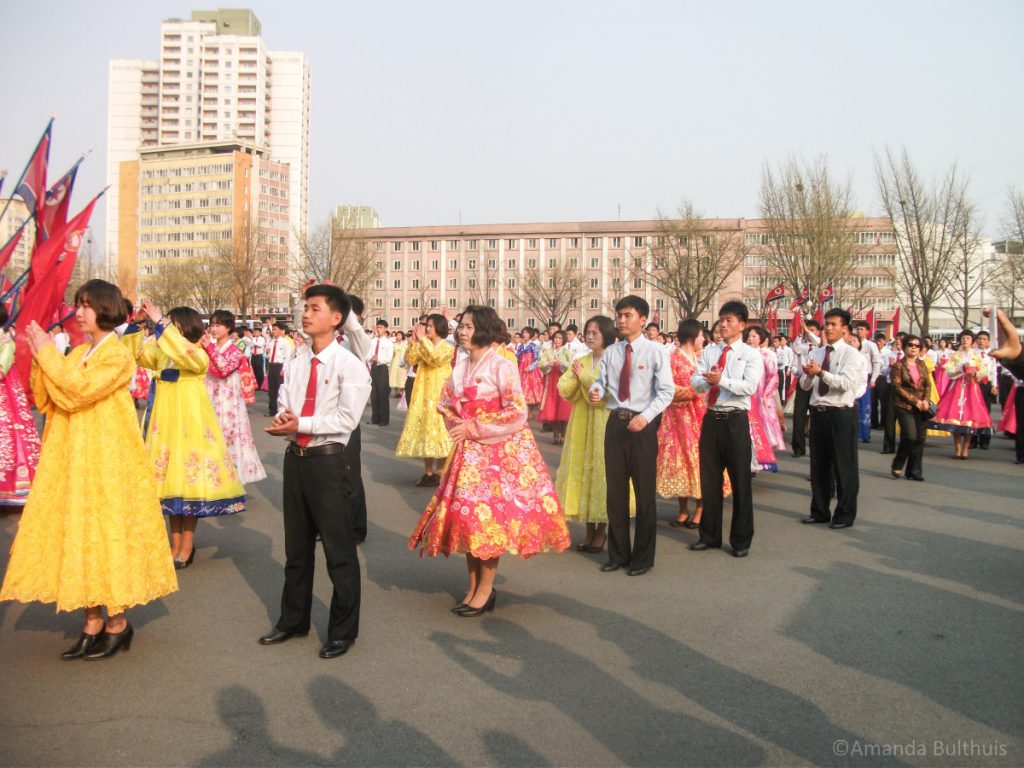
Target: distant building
column 214, row 81
column 182, row 203
column 355, row 217
column 16, row 214
column 431, row 269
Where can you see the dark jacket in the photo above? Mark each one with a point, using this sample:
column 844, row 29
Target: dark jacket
column 904, row 394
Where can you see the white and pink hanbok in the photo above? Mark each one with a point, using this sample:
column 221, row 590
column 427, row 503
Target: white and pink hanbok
column 224, row 383
column 765, row 430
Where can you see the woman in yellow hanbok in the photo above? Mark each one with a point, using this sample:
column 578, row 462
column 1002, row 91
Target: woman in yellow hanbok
column 91, row 534
column 425, row 434
column 396, row 371
column 195, row 472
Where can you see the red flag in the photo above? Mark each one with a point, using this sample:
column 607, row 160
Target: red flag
column 8, row 250
column 54, row 214
column 869, row 318
column 5, row 286
column 819, row 315
column 776, row 294
column 794, row 325
column 42, row 296
column 895, row 327
column 803, row 298
column 32, row 188
column 827, row 294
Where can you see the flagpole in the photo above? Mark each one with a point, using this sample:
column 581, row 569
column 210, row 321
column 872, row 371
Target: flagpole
column 67, row 173
column 31, row 157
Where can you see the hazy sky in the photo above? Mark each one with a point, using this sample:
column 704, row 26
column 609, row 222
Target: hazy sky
column 553, row 111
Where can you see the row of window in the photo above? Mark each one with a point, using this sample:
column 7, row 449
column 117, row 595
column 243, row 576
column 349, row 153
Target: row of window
column 190, row 170
column 184, row 237
column 864, row 260
column 177, row 221
column 173, row 205
column 492, row 245
column 863, row 238
column 188, row 186
column 553, row 263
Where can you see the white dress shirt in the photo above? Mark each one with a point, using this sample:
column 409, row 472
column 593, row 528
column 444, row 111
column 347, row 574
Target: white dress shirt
column 578, row 347
column 354, row 338
column 846, row 376
column 743, row 370
column 259, row 345
column 785, row 358
column 872, row 358
column 343, row 387
column 650, row 384
column 280, row 350
column 383, row 349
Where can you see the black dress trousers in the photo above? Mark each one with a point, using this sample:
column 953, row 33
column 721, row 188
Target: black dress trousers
column 318, row 499
column 725, row 447
column 275, row 375
column 834, row 463
column 380, row 391
column 801, row 402
column 631, row 456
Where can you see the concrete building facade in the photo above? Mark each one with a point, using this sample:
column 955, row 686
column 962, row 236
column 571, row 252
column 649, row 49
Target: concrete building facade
column 16, row 214
column 215, row 80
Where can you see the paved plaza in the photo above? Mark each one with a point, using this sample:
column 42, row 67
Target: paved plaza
column 896, row 642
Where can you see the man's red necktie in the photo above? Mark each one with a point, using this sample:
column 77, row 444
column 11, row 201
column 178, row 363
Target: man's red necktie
column 720, row 365
column 309, row 404
column 822, row 386
column 627, row 370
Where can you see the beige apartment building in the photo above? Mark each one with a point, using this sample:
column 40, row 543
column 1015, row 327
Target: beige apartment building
column 430, row 269
column 16, row 214
column 183, row 203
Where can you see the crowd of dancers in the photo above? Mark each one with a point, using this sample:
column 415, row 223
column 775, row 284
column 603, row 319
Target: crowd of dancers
column 693, row 414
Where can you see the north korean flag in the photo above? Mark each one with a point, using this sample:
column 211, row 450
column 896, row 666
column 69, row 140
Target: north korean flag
column 33, row 184
column 827, row 294
column 803, row 298
column 55, row 211
column 776, row 294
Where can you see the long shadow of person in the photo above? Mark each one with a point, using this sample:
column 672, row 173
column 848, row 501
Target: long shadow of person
column 402, row 568
column 632, row 728
column 242, row 712
column 775, row 714
column 507, row 749
column 368, row 739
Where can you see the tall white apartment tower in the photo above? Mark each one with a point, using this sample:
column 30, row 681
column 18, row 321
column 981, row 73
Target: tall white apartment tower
column 215, row 80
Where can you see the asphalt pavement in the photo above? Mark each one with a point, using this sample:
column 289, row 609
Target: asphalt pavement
column 895, row 642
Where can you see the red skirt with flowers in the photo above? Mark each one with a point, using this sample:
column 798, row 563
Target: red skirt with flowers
column 962, row 408
column 493, row 499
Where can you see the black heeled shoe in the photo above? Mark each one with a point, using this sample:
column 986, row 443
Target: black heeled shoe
column 85, row 644
column 180, row 564
column 112, row 643
column 458, row 607
column 470, row 613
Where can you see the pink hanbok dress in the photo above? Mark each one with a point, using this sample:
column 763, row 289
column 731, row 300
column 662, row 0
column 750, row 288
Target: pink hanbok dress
column 962, row 407
column 224, row 383
column 496, row 495
column 762, row 416
column 19, row 440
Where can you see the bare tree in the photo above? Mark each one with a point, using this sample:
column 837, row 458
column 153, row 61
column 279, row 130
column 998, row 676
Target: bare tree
column 247, row 264
column 811, row 237
column 206, row 288
column 932, row 226
column 336, row 254
column 167, row 287
column 691, row 259
column 1007, row 279
column 551, row 292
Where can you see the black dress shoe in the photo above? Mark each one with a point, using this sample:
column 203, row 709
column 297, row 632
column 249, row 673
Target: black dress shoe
column 469, row 612
column 425, row 481
column 86, row 643
column 691, row 525
column 637, row 571
column 838, row 525
column 812, row 520
column 335, row 648
column 609, row 567
column 111, row 643
column 279, row 636
column 699, row 546
column 740, row 552
column 919, row 478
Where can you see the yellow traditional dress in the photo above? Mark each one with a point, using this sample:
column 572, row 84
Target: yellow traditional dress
column 424, row 434
column 580, row 481
column 91, row 533
column 934, row 396
column 396, row 371
column 195, row 473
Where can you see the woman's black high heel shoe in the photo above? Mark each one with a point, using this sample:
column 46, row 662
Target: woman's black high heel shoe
column 180, row 564
column 470, row 613
column 85, row 644
column 111, row 644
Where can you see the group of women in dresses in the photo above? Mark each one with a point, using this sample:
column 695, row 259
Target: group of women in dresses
column 92, row 535
column 962, row 410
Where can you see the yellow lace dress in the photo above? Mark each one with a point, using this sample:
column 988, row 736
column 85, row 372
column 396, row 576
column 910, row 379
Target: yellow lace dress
column 195, row 473
column 91, row 533
column 424, row 434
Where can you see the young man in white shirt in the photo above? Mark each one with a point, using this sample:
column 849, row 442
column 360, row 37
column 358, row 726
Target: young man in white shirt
column 259, row 348
column 574, row 342
column 835, row 376
column 729, row 372
column 279, row 351
column 321, row 400
column 873, row 362
column 989, row 385
column 785, row 359
column 802, row 348
column 381, row 354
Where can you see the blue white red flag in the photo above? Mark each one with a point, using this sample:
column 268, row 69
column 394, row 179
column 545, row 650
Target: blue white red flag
column 776, row 294
column 803, row 298
column 55, row 211
column 32, row 188
column 827, row 294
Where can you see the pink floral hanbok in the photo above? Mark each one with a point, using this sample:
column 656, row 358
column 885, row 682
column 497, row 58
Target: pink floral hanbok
column 496, row 495
column 19, row 440
column 224, row 383
column 765, row 430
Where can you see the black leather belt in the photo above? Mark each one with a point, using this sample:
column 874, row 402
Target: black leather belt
column 624, row 414
column 823, row 408
column 315, row 450
column 725, row 414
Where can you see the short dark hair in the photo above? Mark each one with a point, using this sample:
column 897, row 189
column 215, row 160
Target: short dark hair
column 223, row 317
column 966, row 332
column 842, row 314
column 129, row 309
column 979, row 334
column 735, row 308
column 555, row 323
column 282, row 325
column 560, row 332
column 812, row 323
column 333, row 296
column 189, row 322
column 106, row 300
column 762, row 334
column 381, row 321
column 862, row 324
column 572, row 327
column 652, row 325
column 880, row 336
column 633, row 302
column 911, row 337
column 487, row 326
column 606, row 327
column 688, row 330
column 440, row 323
column 355, row 304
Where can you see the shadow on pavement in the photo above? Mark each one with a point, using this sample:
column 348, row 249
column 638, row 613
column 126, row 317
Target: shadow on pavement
column 507, row 749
